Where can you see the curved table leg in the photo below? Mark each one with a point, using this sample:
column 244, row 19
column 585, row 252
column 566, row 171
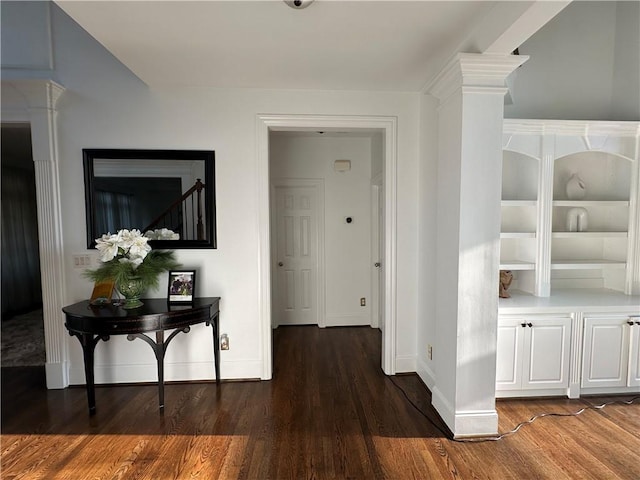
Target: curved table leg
column 159, row 349
column 88, row 343
column 215, row 323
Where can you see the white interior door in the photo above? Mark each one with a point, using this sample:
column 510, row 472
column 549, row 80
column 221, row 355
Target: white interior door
column 380, row 264
column 375, row 257
column 377, row 254
column 296, row 279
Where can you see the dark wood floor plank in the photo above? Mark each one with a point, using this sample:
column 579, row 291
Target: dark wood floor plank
column 328, row 413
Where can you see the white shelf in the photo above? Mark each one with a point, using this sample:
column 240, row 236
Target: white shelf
column 519, row 203
column 517, row 265
column 590, row 203
column 568, row 300
column 589, row 234
column 586, row 264
column 518, row 235
column 536, row 168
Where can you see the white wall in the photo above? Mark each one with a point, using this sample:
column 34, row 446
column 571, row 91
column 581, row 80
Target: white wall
column 626, row 63
column 584, row 65
column 427, row 256
column 106, row 106
column 347, row 194
column 26, row 36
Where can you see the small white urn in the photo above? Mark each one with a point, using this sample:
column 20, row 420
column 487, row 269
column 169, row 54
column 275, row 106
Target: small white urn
column 576, row 188
column 577, row 220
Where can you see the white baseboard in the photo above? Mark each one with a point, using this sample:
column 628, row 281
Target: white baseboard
column 57, row 375
column 347, row 320
column 405, row 363
column 476, row 423
column 610, row 390
column 142, row 373
column 443, row 407
column 426, row 374
column 550, row 392
column 465, row 423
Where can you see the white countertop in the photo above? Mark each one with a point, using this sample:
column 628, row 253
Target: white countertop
column 571, row 300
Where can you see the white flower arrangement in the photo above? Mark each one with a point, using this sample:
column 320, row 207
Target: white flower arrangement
column 127, row 254
column 128, row 245
column 162, row 234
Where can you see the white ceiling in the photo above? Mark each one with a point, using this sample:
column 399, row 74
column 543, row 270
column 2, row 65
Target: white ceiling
column 331, row 45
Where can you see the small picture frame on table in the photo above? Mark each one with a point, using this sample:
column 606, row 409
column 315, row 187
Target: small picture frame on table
column 182, row 286
column 102, row 292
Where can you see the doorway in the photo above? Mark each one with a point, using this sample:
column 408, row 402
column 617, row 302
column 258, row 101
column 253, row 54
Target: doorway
column 33, row 102
column 22, row 320
column 289, row 123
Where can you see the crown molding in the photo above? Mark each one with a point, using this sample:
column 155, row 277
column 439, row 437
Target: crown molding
column 571, row 127
column 38, row 93
column 486, row 72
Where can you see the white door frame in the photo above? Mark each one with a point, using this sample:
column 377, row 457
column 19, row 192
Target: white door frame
column 266, row 123
column 34, row 102
column 318, row 184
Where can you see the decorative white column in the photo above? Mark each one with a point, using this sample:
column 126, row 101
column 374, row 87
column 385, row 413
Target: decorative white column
column 41, row 97
column 545, row 212
column 633, row 275
column 471, row 91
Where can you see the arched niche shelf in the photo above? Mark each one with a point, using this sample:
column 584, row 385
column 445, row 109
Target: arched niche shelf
column 519, row 218
column 607, row 176
column 519, row 176
column 591, row 234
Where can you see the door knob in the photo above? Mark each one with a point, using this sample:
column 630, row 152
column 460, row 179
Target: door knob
column 280, row 264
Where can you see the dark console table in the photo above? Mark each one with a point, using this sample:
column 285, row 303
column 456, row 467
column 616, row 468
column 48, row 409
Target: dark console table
column 90, row 324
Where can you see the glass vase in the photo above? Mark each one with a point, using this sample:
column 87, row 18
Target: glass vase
column 131, row 289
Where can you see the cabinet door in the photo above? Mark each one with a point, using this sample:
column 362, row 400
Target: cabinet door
column 509, row 354
column 605, row 352
column 546, row 353
column 634, row 353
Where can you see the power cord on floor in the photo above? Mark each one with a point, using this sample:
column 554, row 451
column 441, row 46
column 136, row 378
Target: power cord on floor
column 517, row 427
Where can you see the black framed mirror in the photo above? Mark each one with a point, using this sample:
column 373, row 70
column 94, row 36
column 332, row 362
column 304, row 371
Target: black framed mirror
column 169, row 195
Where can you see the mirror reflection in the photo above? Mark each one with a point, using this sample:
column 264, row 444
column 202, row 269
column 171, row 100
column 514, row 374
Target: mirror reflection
column 169, row 195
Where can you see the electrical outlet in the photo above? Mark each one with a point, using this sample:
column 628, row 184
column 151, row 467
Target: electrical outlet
column 363, row 302
column 224, row 342
column 430, row 352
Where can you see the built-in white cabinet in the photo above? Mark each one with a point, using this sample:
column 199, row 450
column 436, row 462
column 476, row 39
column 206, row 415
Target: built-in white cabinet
column 611, row 352
column 533, row 353
column 570, row 234
column 555, row 237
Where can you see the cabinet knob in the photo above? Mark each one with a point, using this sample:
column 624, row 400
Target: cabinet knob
column 530, row 325
column 523, row 325
column 629, row 322
column 280, row 264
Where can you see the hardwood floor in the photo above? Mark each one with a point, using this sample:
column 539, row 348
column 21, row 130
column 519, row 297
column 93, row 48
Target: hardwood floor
column 328, row 413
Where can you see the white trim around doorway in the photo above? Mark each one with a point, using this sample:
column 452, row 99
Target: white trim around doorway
column 35, row 103
column 267, row 123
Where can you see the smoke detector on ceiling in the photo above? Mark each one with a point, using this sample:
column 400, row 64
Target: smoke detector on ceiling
column 298, row 4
